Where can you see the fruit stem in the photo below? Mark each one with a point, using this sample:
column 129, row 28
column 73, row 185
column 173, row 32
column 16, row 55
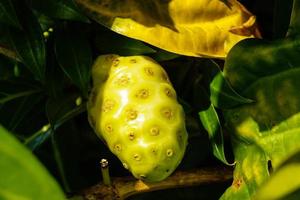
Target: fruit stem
column 105, row 172
column 124, row 187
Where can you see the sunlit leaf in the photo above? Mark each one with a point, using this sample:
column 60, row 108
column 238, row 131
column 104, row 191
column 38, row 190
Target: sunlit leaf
column 8, row 14
column 287, row 175
column 211, row 123
column 61, row 9
column 268, row 73
column 193, row 27
column 22, row 175
column 74, row 55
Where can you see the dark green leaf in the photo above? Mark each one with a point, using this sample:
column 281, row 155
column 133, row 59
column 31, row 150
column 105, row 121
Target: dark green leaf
column 55, row 78
column 18, row 115
column 62, row 109
column 162, row 55
column 265, row 59
column 60, row 9
column 58, row 112
column 28, row 43
column 22, row 175
column 74, row 55
column 211, row 123
column 109, row 42
column 8, row 14
column 59, row 162
column 11, row 90
column 266, row 131
column 222, row 95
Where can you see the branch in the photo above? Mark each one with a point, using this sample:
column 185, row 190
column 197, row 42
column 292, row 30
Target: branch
column 123, row 187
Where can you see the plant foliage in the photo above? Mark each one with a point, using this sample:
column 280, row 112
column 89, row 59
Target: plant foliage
column 242, row 110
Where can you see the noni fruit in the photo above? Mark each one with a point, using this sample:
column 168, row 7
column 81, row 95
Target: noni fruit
column 133, row 108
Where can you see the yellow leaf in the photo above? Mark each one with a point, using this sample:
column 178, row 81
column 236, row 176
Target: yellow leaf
column 201, row 28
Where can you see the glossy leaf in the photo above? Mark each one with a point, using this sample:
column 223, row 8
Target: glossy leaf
column 211, row 123
column 22, row 175
column 60, row 9
column 270, row 125
column 8, row 14
column 206, row 28
column 223, row 95
column 287, row 175
column 28, row 43
column 111, row 43
column 74, row 56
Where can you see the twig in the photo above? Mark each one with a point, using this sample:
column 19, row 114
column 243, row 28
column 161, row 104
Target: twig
column 123, row 187
column 105, row 172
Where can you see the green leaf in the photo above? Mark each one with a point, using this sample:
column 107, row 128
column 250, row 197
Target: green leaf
column 28, row 43
column 8, row 14
column 60, row 9
column 211, row 123
column 287, row 175
column 223, row 95
column 56, row 80
column 22, row 175
column 58, row 111
column 265, row 59
column 74, row 56
column 112, row 43
column 162, row 55
column 62, row 109
column 18, row 115
column 268, row 73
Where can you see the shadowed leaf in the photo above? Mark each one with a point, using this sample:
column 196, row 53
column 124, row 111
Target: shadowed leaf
column 211, row 123
column 74, row 56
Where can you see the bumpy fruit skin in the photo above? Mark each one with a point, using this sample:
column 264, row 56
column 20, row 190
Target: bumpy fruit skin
column 133, row 108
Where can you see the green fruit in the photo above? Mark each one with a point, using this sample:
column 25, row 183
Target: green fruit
column 133, row 108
